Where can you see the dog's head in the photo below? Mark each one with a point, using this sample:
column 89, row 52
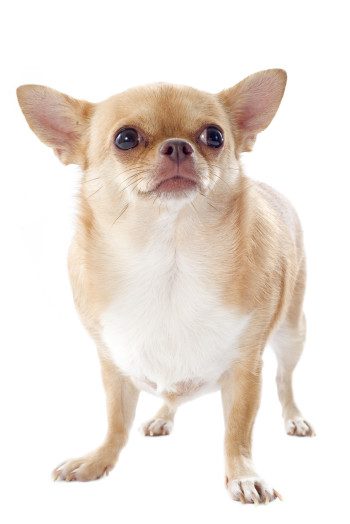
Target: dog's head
column 161, row 140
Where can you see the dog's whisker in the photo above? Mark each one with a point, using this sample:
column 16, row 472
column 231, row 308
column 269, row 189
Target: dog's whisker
column 144, row 166
column 136, row 185
column 94, row 193
column 130, row 184
column 120, row 214
column 132, row 177
column 90, row 180
column 208, row 201
column 220, row 178
column 135, row 175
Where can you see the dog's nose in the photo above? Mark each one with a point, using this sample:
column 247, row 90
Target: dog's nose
column 176, row 150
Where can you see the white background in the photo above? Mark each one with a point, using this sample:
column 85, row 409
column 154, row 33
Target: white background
column 51, row 393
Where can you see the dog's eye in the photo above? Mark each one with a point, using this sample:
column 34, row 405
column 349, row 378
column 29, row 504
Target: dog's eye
column 212, row 137
column 127, row 138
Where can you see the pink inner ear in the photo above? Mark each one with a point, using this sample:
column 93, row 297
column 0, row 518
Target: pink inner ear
column 253, row 113
column 58, row 127
column 52, row 113
column 57, row 119
column 257, row 102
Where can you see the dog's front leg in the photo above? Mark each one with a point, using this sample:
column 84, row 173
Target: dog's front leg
column 240, row 389
column 121, row 398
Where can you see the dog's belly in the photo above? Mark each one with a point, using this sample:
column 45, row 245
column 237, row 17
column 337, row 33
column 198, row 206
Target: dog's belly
column 177, row 349
column 167, row 328
column 172, row 337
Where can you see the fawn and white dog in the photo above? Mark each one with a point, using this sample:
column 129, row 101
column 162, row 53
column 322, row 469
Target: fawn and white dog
column 182, row 268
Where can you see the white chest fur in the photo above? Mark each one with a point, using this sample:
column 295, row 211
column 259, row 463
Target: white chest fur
column 167, row 326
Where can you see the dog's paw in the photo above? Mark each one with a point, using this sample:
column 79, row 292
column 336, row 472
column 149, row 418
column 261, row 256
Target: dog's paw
column 299, row 427
column 90, row 467
column 251, row 490
column 157, row 427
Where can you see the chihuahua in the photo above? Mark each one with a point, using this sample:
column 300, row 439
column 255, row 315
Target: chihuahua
column 182, row 268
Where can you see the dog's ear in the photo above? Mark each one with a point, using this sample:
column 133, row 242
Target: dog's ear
column 58, row 120
column 252, row 104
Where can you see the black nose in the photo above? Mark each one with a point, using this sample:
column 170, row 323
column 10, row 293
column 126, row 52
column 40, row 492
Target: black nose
column 176, row 150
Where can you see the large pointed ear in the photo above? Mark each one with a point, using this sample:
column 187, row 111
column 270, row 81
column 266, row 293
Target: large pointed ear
column 58, row 120
column 252, row 104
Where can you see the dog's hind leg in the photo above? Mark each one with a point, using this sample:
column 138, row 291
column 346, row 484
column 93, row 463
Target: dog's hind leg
column 288, row 343
column 162, row 422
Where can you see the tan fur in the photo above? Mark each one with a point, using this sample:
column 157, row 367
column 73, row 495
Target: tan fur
column 121, row 398
column 249, row 235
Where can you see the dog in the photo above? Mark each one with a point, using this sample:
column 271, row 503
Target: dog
column 182, row 268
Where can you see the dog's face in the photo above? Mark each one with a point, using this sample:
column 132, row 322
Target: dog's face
column 160, row 141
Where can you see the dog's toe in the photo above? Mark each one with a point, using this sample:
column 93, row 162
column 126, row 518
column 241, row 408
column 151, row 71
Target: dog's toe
column 299, row 427
column 252, row 490
column 90, row 467
column 157, row 427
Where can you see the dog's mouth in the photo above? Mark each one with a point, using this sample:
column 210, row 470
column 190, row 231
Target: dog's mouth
column 175, row 184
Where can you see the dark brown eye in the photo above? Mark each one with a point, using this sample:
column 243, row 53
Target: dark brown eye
column 127, row 138
column 212, row 137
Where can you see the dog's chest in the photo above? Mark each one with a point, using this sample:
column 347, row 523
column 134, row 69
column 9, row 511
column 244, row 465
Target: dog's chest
column 167, row 328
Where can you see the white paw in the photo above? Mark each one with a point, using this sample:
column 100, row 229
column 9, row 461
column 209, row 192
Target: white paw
column 89, row 467
column 251, row 490
column 299, row 428
column 157, row 427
